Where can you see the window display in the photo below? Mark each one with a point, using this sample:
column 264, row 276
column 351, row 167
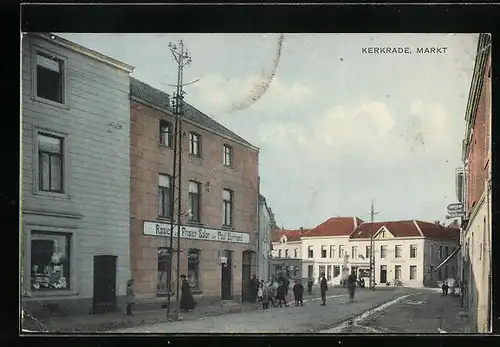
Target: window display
column 50, row 261
column 193, row 267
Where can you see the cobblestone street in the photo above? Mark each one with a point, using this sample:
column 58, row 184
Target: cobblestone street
column 308, row 319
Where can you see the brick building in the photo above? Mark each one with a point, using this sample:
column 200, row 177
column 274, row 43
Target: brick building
column 219, row 200
column 475, row 183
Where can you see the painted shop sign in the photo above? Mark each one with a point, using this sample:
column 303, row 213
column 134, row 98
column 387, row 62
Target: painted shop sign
column 195, row 233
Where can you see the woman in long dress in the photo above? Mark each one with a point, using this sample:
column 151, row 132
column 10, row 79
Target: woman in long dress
column 187, row 300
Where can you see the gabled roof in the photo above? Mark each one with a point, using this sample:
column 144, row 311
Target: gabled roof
column 336, row 226
column 408, row 228
column 291, row 235
column 157, row 98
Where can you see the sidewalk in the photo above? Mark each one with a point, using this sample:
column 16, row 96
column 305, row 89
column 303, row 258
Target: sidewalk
column 118, row 320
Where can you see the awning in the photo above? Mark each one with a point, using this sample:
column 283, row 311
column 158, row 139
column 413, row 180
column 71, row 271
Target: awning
column 447, row 259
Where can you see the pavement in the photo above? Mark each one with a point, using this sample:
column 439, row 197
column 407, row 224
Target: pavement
column 310, row 318
column 427, row 311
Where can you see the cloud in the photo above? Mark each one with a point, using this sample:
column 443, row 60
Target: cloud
column 217, row 94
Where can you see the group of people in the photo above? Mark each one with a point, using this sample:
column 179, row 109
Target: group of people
column 187, row 302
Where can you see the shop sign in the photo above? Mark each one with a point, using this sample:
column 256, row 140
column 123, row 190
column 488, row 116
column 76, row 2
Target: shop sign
column 196, row 233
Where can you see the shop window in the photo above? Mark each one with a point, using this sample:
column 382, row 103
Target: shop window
column 194, row 268
column 166, row 134
column 163, row 269
column 227, row 200
column 49, row 78
column 228, row 155
column 398, row 251
column 50, row 162
column 50, row 261
column 195, row 144
column 336, row 270
column 322, row 271
column 194, row 201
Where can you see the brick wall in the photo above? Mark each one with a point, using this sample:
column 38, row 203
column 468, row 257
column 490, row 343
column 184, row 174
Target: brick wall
column 148, row 159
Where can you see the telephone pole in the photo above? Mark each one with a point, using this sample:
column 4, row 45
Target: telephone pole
column 372, row 248
column 183, row 59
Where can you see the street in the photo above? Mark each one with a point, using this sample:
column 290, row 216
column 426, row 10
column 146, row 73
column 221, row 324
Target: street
column 310, row 318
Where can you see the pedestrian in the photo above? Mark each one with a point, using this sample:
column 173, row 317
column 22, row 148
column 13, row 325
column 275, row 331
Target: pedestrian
column 298, row 293
column 130, row 296
column 444, row 287
column 187, row 300
column 280, row 295
column 310, row 286
column 254, row 287
column 266, row 296
column 351, row 285
column 272, row 293
column 323, row 289
column 260, row 291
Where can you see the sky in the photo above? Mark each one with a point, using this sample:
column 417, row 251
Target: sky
column 336, row 127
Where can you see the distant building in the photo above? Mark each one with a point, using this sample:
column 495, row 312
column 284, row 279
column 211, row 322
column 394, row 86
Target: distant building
column 264, row 239
column 76, row 177
column 287, row 253
column 476, row 187
column 219, row 202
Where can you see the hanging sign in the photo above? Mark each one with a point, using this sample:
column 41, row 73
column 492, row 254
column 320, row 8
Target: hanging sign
column 196, row 233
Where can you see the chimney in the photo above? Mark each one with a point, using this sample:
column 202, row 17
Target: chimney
column 437, row 223
column 301, row 230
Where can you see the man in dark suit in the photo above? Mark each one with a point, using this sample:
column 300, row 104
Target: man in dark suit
column 323, row 289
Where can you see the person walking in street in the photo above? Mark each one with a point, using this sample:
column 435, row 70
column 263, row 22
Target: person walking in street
column 187, row 300
column 260, row 291
column 323, row 289
column 310, row 286
column 266, row 296
column 130, row 296
column 444, row 287
column 351, row 285
column 280, row 295
column 298, row 293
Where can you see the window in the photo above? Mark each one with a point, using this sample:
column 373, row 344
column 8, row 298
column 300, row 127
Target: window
column 397, row 251
column 383, row 251
column 413, row 251
column 328, row 272
column 194, row 201
column 341, row 251
column 446, row 252
column 228, row 155
column 310, row 252
column 287, row 253
column 166, row 134
column 164, row 196
column 49, row 78
column 336, row 270
column 397, row 272
column 50, row 162
column 163, row 268
column 50, row 261
column 354, row 252
column 332, row 251
column 310, row 271
column 368, row 252
column 296, row 253
column 440, row 252
column 227, row 199
column 195, row 144
column 413, row 272
column 321, row 269
column 323, row 251
column 295, row 271
column 446, row 271
column 194, row 267
column 279, row 253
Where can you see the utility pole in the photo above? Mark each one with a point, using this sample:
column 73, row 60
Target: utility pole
column 372, row 248
column 183, row 59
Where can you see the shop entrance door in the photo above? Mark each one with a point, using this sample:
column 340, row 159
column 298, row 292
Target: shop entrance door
column 246, row 275
column 383, row 274
column 104, row 299
column 226, row 277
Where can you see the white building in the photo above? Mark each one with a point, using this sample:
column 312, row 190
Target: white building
column 286, row 253
column 415, row 253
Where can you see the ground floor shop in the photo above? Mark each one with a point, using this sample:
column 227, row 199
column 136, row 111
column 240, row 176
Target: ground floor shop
column 217, row 263
column 67, row 269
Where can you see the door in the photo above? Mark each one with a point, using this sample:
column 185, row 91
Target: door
column 383, row 274
column 246, row 275
column 226, row 277
column 104, row 299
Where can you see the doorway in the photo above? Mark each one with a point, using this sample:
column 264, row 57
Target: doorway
column 226, row 277
column 247, row 270
column 104, row 299
column 383, row 273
